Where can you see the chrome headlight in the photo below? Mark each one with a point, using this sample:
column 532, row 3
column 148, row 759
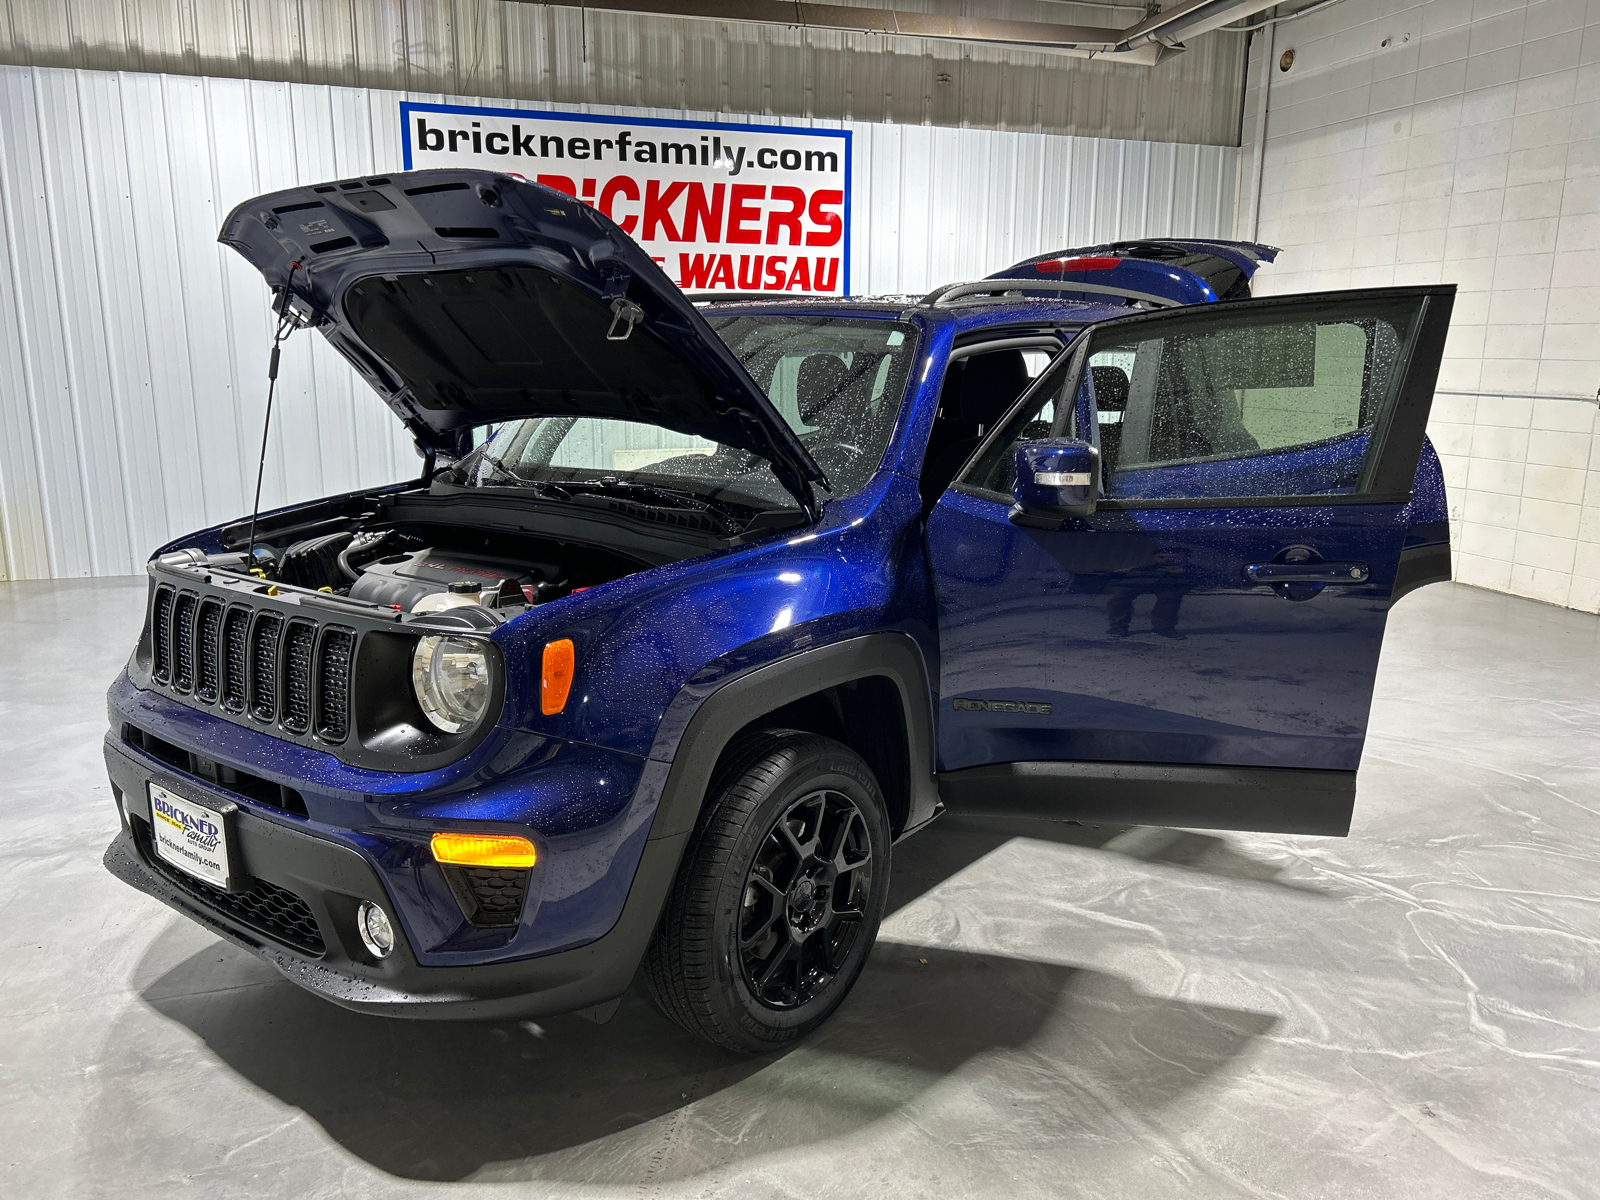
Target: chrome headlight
column 451, row 678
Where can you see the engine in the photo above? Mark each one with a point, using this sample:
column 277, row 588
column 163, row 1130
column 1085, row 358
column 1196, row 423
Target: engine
column 422, row 569
column 404, row 580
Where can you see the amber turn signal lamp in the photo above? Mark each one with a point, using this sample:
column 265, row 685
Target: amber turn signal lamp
column 555, row 678
column 483, row 850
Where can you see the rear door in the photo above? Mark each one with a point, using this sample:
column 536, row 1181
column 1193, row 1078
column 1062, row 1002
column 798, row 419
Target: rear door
column 1201, row 649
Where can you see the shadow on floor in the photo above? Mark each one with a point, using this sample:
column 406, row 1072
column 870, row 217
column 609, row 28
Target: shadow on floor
column 444, row 1101
column 960, row 839
column 440, row 1101
column 1205, row 853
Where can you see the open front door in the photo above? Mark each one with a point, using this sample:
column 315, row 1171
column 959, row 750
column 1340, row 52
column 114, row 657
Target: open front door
column 1199, row 650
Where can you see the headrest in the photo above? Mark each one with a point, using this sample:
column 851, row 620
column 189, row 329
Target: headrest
column 1110, row 388
column 821, row 376
column 989, row 383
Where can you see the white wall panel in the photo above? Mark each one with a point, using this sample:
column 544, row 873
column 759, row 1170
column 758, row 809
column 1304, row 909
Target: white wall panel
column 1459, row 142
column 518, row 50
column 133, row 348
column 127, row 400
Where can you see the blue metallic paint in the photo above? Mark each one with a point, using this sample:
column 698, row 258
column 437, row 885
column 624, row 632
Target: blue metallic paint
column 1137, row 275
column 1037, row 460
column 1429, row 511
column 1222, row 670
column 578, row 781
column 1325, row 468
column 581, row 805
column 1250, row 680
column 586, row 783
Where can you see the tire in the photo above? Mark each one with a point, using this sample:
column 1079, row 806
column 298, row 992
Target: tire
column 791, row 850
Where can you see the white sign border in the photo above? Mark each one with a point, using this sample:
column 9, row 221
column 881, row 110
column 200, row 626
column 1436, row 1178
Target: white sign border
column 408, row 107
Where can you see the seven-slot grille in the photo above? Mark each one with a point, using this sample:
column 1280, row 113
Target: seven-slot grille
column 266, row 631
column 281, row 670
column 333, row 683
column 297, row 648
column 205, row 634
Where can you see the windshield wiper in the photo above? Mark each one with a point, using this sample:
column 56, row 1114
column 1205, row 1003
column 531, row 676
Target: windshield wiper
column 504, row 474
column 676, row 497
column 732, row 516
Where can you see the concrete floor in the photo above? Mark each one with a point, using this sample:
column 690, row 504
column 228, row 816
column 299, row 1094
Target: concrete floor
column 1051, row 1011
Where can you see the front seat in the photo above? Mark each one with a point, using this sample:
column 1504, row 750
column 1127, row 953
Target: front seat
column 1110, row 396
column 985, row 386
column 820, row 379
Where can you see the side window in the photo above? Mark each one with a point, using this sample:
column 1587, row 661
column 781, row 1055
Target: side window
column 1044, row 420
column 1279, row 406
column 1224, row 401
column 1328, row 403
column 1036, row 360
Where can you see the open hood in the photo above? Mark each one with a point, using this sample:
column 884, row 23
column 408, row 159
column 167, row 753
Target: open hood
column 1177, row 270
column 465, row 297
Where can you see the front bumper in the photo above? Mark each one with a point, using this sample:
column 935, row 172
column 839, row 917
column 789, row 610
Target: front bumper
column 299, row 915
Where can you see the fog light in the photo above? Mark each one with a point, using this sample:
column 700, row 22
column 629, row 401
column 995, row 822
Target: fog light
column 377, row 935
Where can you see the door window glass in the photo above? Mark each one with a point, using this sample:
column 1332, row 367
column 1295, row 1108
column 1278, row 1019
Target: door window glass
column 1283, row 405
column 1227, row 402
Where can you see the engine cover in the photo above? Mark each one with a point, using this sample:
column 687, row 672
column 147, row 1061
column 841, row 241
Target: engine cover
column 403, row 579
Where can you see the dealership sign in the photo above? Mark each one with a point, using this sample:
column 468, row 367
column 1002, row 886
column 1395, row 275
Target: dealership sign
column 737, row 208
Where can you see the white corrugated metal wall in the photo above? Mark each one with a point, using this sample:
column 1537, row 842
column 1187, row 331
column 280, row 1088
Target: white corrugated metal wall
column 133, row 348
column 563, row 53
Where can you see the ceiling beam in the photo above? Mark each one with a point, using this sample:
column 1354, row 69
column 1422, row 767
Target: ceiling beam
column 1144, row 43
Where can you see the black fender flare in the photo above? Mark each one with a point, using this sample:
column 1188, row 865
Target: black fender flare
column 716, row 720
column 750, row 696
column 590, row 977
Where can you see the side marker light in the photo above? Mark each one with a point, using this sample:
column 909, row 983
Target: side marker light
column 483, row 850
column 555, row 677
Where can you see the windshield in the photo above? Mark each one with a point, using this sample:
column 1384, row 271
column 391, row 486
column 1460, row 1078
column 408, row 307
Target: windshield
column 837, row 381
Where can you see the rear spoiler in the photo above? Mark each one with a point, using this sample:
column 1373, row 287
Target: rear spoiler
column 1174, row 270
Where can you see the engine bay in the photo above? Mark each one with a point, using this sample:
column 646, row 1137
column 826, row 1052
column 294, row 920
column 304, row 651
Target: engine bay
column 429, row 568
column 420, row 568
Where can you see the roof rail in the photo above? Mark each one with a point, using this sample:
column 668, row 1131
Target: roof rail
column 943, row 297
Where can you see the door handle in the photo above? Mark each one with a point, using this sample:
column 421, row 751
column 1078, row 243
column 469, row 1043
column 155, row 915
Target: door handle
column 1308, row 572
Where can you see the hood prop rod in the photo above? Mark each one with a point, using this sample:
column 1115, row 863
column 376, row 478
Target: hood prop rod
column 288, row 322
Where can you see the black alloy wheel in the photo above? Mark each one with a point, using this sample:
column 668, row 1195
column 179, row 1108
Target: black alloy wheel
column 778, row 899
column 805, row 899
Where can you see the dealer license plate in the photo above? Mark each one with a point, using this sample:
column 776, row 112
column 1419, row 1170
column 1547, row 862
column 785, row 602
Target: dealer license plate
column 190, row 836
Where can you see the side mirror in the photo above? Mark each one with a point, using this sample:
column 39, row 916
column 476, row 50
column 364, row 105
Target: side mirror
column 1056, row 480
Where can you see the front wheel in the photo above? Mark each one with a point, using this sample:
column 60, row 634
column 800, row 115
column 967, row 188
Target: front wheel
column 778, row 899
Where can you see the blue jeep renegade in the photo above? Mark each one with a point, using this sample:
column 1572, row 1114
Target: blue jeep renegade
column 693, row 613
